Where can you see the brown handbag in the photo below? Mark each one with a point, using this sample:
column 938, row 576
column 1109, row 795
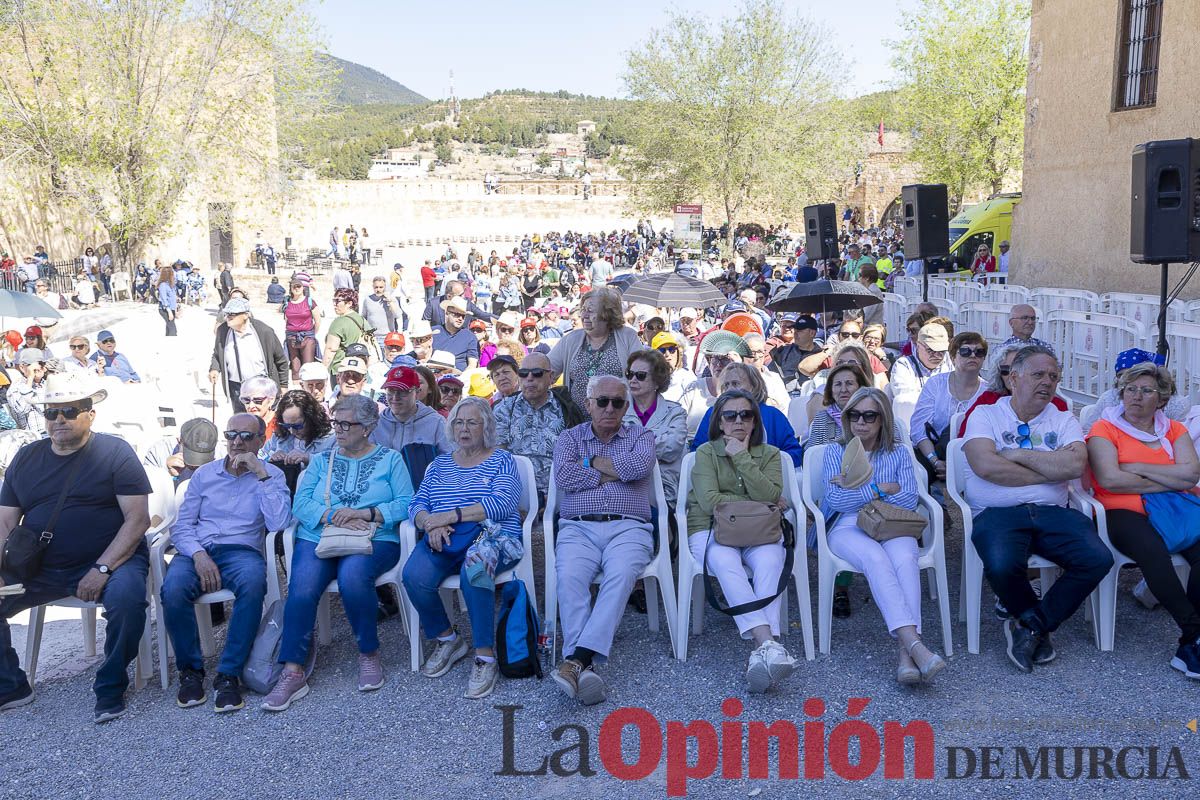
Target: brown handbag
column 746, row 523
column 882, row 521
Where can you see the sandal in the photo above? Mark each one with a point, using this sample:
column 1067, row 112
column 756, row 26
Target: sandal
column 932, row 666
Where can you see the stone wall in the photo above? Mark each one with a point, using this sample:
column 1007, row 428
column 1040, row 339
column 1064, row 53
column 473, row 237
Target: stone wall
column 1072, row 226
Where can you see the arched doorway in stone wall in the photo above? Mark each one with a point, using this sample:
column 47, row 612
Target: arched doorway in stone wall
column 893, row 213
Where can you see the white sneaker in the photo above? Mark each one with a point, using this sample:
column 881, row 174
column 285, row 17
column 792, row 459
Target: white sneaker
column 769, row 664
column 1143, row 595
column 444, row 656
column 482, row 680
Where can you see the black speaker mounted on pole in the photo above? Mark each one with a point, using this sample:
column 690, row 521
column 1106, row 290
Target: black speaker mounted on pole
column 1164, row 225
column 926, row 209
column 820, row 231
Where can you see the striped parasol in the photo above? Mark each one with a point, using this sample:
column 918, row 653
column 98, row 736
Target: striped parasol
column 672, row 290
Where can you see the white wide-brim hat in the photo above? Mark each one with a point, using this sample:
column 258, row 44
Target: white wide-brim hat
column 69, row 387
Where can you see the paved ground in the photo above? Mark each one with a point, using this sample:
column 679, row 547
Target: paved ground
column 419, row 738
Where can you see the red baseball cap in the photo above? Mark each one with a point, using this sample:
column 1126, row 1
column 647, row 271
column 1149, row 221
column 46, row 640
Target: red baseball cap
column 529, row 322
column 33, row 330
column 393, row 339
column 405, row 378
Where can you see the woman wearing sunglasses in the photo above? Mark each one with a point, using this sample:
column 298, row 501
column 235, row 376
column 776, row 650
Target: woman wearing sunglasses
column 301, row 430
column 670, row 346
column 947, row 394
column 737, row 464
column 649, row 377
column 890, row 566
column 368, row 484
column 778, row 431
column 1000, row 384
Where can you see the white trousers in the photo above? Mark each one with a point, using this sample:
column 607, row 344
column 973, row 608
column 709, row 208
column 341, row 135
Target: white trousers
column 728, row 566
column 890, row 567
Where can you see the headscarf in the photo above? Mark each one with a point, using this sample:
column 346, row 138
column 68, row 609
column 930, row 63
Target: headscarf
column 1133, row 356
column 1115, row 416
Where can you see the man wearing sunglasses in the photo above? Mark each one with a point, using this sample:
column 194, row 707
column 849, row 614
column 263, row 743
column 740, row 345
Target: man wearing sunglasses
column 98, row 552
column 229, row 506
column 603, row 469
column 454, row 337
column 112, row 363
column 529, row 422
column 1021, row 454
column 910, row 373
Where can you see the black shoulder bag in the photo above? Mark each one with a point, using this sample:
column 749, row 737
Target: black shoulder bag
column 25, row 548
column 789, row 549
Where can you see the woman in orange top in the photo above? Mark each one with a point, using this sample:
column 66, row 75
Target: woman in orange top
column 1135, row 449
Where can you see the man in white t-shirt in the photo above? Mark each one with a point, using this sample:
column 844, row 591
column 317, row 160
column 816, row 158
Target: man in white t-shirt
column 1021, row 453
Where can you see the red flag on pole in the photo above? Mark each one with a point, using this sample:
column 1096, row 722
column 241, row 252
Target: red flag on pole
column 881, row 133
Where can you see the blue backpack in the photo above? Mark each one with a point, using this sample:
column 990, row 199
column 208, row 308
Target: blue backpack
column 517, row 633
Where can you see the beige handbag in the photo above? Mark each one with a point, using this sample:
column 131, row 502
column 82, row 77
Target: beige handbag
column 882, row 521
column 337, row 541
column 746, row 523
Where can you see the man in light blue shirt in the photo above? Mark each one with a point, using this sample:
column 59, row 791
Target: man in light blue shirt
column 228, row 507
column 116, row 365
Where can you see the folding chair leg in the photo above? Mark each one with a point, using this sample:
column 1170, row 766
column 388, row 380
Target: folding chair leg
column 825, row 607
column 974, row 581
column 939, row 575
column 666, row 588
column 1107, row 612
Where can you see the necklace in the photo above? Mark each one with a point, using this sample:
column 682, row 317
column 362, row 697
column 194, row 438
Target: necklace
column 594, row 357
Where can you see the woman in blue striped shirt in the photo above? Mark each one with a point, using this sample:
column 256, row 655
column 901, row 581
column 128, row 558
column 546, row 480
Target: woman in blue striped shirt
column 890, row 566
column 475, row 487
column 168, row 299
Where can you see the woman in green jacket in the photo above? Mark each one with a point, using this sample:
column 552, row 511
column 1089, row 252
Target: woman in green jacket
column 736, row 464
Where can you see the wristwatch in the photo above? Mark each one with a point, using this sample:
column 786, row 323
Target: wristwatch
column 103, row 569
column 931, row 457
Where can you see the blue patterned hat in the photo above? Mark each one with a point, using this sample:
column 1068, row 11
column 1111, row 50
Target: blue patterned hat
column 1134, row 356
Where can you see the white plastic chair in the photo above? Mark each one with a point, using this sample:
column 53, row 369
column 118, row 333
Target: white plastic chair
column 931, row 555
column 971, row 588
column 1106, row 613
column 797, row 414
column 161, row 506
column 657, row 571
column 158, row 570
column 452, row 583
column 691, row 597
column 324, row 623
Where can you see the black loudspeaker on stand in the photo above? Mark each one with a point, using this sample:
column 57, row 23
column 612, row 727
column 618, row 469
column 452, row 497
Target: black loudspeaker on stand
column 1164, row 225
column 820, row 232
column 926, row 225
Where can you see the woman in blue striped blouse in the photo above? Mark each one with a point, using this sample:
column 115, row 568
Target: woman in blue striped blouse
column 890, row 566
column 475, row 484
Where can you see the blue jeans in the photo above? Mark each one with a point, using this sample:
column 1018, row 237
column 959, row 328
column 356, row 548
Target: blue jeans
column 124, row 601
column 31, row 287
column 1006, row 537
column 243, row 572
column 423, row 574
column 356, row 582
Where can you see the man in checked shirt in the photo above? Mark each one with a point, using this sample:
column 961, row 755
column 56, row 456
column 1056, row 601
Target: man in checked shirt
column 603, row 470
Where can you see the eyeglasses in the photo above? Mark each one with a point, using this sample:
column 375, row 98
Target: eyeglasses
column 108, row 341
column 422, row 339
column 972, row 352
column 852, row 334
column 255, row 401
column 603, row 402
column 468, row 423
column 641, row 375
column 868, row 417
column 668, row 350
column 503, row 329
column 757, row 353
column 69, row 413
column 1026, row 318
column 245, row 436
column 450, row 312
column 79, row 347
column 344, row 426
column 1142, row 391
column 450, row 388
column 290, row 426
column 1005, row 371
column 525, row 373
column 348, row 377
column 934, row 354
column 743, row 415
column 1024, row 439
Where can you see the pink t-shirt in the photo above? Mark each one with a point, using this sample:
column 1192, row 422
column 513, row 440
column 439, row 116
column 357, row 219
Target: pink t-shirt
column 298, row 316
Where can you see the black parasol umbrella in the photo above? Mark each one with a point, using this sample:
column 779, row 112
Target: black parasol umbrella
column 622, row 282
column 672, row 290
column 823, row 296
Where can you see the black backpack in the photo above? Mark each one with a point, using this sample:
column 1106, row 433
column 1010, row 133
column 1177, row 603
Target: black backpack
column 572, row 414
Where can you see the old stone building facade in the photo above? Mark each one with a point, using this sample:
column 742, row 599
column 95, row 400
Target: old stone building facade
column 1104, row 76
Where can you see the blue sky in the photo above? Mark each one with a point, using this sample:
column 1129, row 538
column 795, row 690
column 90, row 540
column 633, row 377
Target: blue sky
column 549, row 45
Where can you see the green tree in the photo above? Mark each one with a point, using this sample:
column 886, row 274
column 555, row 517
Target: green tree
column 543, row 160
column 444, row 152
column 739, row 113
column 126, row 105
column 963, row 66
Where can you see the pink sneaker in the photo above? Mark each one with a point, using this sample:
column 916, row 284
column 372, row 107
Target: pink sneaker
column 370, row 672
column 290, row 687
